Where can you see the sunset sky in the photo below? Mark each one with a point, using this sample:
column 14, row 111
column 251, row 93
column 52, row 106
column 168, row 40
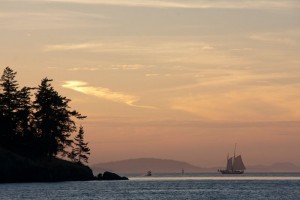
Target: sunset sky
column 173, row 79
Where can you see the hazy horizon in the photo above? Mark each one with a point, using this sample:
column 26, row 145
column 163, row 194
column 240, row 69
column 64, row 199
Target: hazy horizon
column 170, row 79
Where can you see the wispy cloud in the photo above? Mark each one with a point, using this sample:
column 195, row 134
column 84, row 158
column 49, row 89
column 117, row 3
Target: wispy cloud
column 47, row 18
column 104, row 93
column 84, row 69
column 128, row 66
column 151, row 75
column 121, row 67
column 236, row 4
column 273, row 38
column 96, row 46
column 161, row 46
column 169, row 50
column 241, row 95
column 263, row 104
column 78, row 46
column 208, row 47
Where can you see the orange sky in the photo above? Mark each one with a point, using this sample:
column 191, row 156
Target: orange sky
column 182, row 80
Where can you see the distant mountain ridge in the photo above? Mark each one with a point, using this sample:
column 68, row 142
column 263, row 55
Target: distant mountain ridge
column 276, row 167
column 142, row 165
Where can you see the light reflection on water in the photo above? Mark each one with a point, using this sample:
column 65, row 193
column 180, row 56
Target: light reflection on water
column 273, row 176
column 165, row 186
column 216, row 176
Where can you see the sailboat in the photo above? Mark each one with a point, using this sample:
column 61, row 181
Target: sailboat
column 234, row 165
column 149, row 173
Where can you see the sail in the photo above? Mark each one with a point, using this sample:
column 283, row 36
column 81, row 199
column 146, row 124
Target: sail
column 229, row 163
column 238, row 163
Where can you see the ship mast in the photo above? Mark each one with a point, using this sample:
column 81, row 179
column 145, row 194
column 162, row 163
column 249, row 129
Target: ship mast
column 233, row 156
column 234, row 149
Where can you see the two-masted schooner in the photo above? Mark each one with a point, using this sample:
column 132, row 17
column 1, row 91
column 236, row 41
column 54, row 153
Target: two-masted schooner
column 234, row 165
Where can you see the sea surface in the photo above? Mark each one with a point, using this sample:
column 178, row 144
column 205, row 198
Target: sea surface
column 165, row 186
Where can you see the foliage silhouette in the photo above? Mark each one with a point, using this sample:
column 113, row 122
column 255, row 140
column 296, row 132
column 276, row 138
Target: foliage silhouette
column 34, row 130
column 81, row 151
column 52, row 119
column 39, row 128
column 9, row 108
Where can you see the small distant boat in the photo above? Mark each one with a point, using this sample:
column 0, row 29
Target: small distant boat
column 149, row 173
column 235, row 165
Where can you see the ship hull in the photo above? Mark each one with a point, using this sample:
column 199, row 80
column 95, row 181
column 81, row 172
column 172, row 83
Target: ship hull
column 231, row 172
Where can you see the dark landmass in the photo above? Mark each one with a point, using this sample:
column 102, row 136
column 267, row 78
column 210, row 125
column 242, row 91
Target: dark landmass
column 142, row 165
column 16, row 168
column 109, row 176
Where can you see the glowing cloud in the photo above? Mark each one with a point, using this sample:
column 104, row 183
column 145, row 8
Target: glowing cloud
column 273, row 38
column 264, row 104
column 236, row 4
column 128, row 67
column 84, row 69
column 65, row 47
column 103, row 93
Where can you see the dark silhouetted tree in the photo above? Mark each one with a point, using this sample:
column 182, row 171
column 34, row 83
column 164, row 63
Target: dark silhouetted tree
column 25, row 128
column 40, row 128
column 81, row 151
column 53, row 120
column 9, row 108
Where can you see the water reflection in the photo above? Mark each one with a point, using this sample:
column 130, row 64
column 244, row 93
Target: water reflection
column 215, row 176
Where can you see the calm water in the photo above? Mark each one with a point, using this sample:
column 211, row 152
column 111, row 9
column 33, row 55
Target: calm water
column 165, row 186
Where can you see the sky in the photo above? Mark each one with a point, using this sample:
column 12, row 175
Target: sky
column 171, row 79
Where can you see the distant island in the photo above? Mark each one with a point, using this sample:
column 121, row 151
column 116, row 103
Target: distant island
column 35, row 135
column 142, row 165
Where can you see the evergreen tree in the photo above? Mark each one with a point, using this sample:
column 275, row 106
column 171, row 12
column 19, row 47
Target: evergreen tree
column 40, row 128
column 53, row 120
column 81, row 151
column 9, row 108
column 25, row 121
